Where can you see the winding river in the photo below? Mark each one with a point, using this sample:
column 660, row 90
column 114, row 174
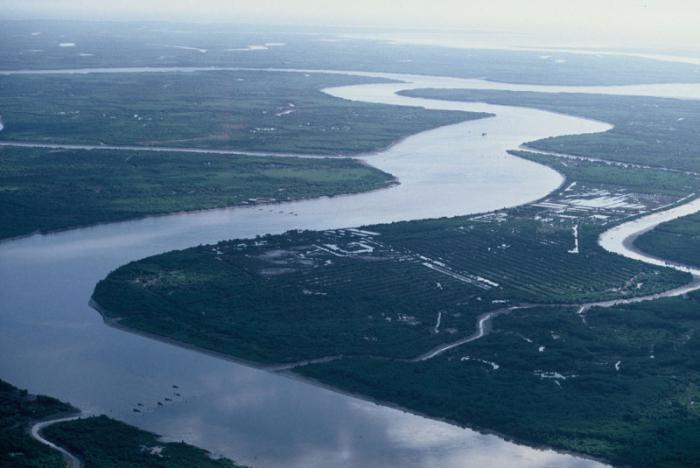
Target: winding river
column 52, row 342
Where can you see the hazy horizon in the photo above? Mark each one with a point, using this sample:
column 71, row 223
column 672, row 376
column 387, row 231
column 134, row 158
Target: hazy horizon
column 623, row 23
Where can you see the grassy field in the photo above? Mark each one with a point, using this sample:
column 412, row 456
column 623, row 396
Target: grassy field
column 653, row 131
column 98, row 441
column 243, row 110
column 678, row 240
column 47, row 190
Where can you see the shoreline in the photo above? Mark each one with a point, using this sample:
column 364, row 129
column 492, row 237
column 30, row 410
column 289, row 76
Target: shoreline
column 287, row 370
column 451, row 422
column 3, row 240
column 290, row 374
column 114, row 323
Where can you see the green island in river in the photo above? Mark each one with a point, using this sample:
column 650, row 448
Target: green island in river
column 367, row 310
column 490, row 321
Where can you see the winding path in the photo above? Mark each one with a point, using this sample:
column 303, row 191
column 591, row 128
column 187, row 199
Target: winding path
column 72, row 461
column 483, row 324
column 50, row 338
column 618, row 240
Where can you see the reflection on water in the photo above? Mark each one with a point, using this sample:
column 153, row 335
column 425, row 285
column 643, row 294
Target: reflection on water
column 52, row 342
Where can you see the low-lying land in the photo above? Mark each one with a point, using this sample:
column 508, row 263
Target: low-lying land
column 389, row 291
column 678, row 240
column 65, row 44
column 621, row 385
column 395, row 290
column 98, row 441
column 103, row 442
column 355, row 308
column 242, row 110
column 624, row 387
column 653, row 131
column 46, row 190
column 18, row 409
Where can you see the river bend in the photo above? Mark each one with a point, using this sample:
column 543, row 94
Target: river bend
column 52, row 342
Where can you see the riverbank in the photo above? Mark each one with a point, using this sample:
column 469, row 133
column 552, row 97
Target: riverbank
column 40, row 431
column 51, row 191
column 459, row 162
column 335, row 360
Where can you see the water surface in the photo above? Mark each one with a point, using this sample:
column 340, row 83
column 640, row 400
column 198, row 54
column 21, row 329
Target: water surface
column 52, row 342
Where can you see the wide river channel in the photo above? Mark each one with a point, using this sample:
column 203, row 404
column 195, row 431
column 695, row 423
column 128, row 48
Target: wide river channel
column 52, row 342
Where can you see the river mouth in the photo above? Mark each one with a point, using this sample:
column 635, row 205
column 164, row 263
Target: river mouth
column 53, row 343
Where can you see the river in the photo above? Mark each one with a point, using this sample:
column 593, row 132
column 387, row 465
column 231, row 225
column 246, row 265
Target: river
column 52, row 342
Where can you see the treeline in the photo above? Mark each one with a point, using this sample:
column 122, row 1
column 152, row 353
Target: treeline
column 677, row 240
column 243, row 110
column 45, row 190
column 642, row 413
column 289, row 298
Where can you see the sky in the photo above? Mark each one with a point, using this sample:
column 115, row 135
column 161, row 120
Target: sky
column 623, row 22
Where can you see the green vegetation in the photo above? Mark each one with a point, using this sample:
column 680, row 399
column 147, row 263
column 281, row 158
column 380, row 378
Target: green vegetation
column 621, row 385
column 103, row 442
column 44, row 190
column 98, row 441
column 306, row 295
column 634, row 179
column 18, row 409
column 543, row 375
column 242, row 110
column 624, row 386
column 653, row 131
column 35, row 44
column 677, row 240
